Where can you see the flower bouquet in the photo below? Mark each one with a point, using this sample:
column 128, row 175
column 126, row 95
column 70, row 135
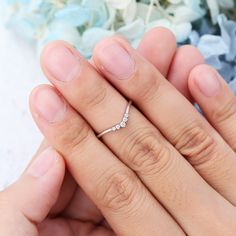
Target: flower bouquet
column 207, row 24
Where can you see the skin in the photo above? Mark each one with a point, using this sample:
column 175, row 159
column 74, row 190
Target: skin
column 161, row 175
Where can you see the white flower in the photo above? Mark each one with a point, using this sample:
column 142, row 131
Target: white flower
column 129, row 13
column 84, row 23
column 214, row 6
column 119, row 4
column 181, row 31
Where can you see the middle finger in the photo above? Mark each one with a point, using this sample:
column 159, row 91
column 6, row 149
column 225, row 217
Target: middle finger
column 140, row 145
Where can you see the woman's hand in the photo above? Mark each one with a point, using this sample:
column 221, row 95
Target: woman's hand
column 169, row 171
column 70, row 208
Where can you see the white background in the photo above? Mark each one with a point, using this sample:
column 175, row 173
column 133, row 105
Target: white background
column 19, row 73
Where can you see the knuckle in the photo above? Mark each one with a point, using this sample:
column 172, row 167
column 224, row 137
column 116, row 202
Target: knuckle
column 146, row 154
column 96, row 96
column 146, row 89
column 117, row 190
column 74, row 135
column 225, row 111
column 195, row 144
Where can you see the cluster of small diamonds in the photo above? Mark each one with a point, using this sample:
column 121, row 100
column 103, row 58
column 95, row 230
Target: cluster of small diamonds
column 122, row 124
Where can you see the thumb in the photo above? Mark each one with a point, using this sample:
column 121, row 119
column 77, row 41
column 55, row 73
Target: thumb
column 29, row 200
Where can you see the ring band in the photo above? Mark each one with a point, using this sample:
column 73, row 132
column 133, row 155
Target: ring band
column 120, row 125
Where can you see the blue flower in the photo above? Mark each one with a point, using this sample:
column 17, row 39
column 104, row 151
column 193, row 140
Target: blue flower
column 228, row 33
column 219, row 51
column 83, row 23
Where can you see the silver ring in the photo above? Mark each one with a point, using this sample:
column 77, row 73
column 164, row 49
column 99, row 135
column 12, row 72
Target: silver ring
column 120, row 125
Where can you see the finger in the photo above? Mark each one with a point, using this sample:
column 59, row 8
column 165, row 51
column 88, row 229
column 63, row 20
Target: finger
column 181, row 67
column 72, row 202
column 68, row 188
column 216, row 100
column 187, row 130
column 116, row 190
column 158, row 46
column 139, row 145
column 27, row 202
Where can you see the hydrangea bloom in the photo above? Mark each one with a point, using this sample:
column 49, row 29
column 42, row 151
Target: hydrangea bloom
column 207, row 24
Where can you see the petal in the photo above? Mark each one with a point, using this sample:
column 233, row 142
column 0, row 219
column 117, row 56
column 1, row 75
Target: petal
column 133, row 31
column 228, row 32
column 211, row 45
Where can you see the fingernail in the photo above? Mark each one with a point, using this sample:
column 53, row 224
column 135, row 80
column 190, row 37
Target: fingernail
column 116, row 61
column 61, row 63
column 49, row 105
column 43, row 163
column 208, row 83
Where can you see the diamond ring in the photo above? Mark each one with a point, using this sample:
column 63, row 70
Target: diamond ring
column 120, row 125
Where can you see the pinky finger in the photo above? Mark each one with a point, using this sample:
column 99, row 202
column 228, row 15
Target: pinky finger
column 181, row 67
column 216, row 100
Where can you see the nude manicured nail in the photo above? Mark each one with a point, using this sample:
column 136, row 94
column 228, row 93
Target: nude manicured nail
column 49, row 105
column 116, row 60
column 43, row 163
column 61, row 62
column 208, row 83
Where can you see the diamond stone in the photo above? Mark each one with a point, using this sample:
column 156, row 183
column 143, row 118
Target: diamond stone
column 117, row 126
column 113, row 128
column 125, row 119
column 122, row 124
column 126, row 115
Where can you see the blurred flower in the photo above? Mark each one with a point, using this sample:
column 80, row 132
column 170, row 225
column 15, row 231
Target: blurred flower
column 83, row 23
column 219, row 51
column 75, row 20
column 215, row 5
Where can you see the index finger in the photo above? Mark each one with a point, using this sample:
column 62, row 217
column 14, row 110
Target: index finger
column 127, row 205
